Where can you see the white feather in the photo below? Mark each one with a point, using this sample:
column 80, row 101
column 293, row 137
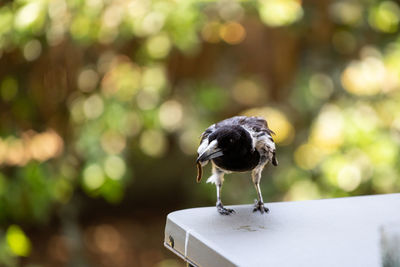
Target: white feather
column 217, row 176
column 213, row 179
column 202, row 146
column 261, row 142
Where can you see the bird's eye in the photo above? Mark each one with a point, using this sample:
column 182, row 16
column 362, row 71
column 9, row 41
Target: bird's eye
column 231, row 140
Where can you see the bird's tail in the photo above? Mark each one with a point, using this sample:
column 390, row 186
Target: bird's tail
column 274, row 159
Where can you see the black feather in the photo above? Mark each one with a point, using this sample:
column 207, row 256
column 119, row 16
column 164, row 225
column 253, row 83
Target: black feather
column 236, row 142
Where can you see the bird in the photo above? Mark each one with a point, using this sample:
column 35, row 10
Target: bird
column 237, row 144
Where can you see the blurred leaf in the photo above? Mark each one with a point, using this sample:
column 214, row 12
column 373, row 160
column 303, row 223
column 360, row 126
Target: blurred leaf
column 18, row 242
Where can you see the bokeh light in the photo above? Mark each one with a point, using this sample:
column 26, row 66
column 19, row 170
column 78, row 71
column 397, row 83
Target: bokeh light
column 276, row 120
column 32, row 50
column 248, row 92
column 171, row 115
column 365, row 77
column 210, row 32
column 327, row 132
column 280, row 12
column 113, row 142
column 321, row 85
column 153, row 143
column 87, row 80
column 307, row 156
column 147, row 99
column 93, row 177
column 385, row 17
column 347, row 12
column 154, row 78
column 44, row 146
column 158, row 46
column 31, row 146
column 349, row 177
column 93, row 106
column 303, row 190
column 122, row 80
column 30, row 15
column 152, row 23
column 114, row 167
column 17, row 241
column 232, row 33
column 230, row 10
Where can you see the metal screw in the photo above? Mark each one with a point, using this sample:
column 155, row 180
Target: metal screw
column 171, row 242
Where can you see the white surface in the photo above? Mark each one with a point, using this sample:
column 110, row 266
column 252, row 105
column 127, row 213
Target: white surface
column 333, row 232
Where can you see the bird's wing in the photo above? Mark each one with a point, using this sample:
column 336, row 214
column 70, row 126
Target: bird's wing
column 204, row 138
column 227, row 122
column 207, row 132
column 257, row 124
column 262, row 136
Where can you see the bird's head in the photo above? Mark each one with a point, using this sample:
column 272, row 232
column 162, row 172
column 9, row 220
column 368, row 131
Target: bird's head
column 225, row 141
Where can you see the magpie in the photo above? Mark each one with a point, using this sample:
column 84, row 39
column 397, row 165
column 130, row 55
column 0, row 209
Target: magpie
column 237, row 144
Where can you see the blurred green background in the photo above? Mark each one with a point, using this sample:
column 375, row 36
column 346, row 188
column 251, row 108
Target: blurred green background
column 102, row 103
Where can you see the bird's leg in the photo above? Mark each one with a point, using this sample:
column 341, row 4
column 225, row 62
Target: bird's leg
column 259, row 203
column 218, row 178
column 221, row 209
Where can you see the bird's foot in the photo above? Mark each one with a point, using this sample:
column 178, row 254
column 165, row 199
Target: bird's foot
column 259, row 206
column 224, row 211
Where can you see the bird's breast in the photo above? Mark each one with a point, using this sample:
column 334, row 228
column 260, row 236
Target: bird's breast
column 238, row 162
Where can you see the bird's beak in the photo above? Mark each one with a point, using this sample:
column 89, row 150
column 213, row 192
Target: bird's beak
column 211, row 151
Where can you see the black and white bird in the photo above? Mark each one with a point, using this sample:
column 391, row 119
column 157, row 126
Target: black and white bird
column 237, row 144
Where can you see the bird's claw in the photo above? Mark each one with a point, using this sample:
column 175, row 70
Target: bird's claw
column 224, row 211
column 259, row 206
